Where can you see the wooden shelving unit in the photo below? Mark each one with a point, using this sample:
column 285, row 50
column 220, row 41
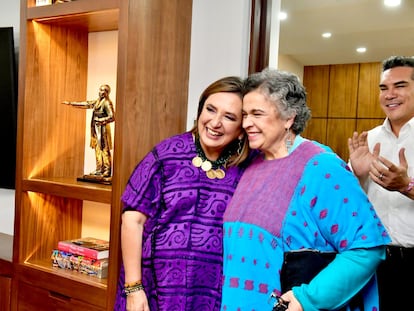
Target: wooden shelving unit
column 152, row 87
column 6, row 270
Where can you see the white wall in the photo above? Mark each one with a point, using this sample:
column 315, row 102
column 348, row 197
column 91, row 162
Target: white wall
column 6, row 211
column 10, row 16
column 219, row 47
column 287, row 63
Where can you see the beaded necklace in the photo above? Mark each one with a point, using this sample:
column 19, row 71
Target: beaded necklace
column 212, row 168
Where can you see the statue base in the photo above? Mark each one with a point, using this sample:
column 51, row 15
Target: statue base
column 105, row 180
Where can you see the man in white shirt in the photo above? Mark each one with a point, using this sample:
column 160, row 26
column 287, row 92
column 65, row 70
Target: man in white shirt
column 383, row 161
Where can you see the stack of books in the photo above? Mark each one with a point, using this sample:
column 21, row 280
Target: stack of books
column 85, row 255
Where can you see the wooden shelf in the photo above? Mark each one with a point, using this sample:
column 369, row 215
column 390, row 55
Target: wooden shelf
column 55, row 54
column 92, row 15
column 45, row 266
column 73, row 7
column 69, row 188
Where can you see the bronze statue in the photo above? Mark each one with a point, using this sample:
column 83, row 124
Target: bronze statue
column 101, row 141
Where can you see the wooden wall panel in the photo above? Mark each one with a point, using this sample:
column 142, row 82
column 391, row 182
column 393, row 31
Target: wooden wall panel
column 367, row 124
column 316, row 130
column 353, row 102
column 316, row 80
column 368, row 91
column 343, row 91
column 338, row 132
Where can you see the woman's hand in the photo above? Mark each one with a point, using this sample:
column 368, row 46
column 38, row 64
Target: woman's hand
column 293, row 303
column 137, row 301
column 359, row 154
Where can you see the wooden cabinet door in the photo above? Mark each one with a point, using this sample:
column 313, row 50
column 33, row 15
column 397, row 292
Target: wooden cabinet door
column 34, row 298
column 5, row 292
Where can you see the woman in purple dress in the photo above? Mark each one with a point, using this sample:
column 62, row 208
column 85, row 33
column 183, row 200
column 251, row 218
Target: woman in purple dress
column 173, row 209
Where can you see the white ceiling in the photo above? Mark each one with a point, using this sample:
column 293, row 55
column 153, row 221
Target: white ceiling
column 353, row 23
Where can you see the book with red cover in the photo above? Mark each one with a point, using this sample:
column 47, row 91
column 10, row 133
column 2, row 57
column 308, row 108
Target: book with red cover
column 89, row 247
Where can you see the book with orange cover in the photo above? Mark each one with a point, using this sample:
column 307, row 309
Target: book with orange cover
column 88, row 247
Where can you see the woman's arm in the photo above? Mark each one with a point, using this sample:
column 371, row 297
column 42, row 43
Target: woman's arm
column 131, row 245
column 342, row 279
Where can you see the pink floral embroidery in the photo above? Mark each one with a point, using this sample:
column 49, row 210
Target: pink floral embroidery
column 302, row 191
column 234, row 282
column 263, row 288
column 241, row 232
column 323, row 213
column 248, row 285
column 343, row 243
column 261, row 237
column 313, row 202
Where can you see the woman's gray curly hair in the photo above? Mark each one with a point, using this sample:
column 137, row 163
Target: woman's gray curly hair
column 285, row 90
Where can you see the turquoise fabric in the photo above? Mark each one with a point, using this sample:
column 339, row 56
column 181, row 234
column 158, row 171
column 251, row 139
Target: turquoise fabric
column 340, row 280
column 309, row 199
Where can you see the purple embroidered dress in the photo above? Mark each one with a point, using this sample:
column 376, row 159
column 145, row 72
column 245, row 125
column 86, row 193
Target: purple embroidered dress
column 182, row 252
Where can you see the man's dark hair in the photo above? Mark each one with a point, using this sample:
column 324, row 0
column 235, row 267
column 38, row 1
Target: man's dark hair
column 398, row 61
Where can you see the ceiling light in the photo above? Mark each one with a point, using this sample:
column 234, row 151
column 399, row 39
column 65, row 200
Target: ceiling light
column 392, row 3
column 326, row 35
column 361, row 50
column 282, row 16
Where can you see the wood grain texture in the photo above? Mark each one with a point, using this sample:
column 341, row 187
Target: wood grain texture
column 42, row 298
column 152, row 90
column 343, row 90
column 316, row 80
column 6, row 271
column 368, row 91
column 352, row 106
column 338, row 131
column 316, row 130
column 5, row 292
column 367, row 124
column 152, row 93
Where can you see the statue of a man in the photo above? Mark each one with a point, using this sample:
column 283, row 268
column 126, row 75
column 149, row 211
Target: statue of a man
column 101, row 141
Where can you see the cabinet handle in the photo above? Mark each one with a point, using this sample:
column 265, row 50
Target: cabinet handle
column 59, row 296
